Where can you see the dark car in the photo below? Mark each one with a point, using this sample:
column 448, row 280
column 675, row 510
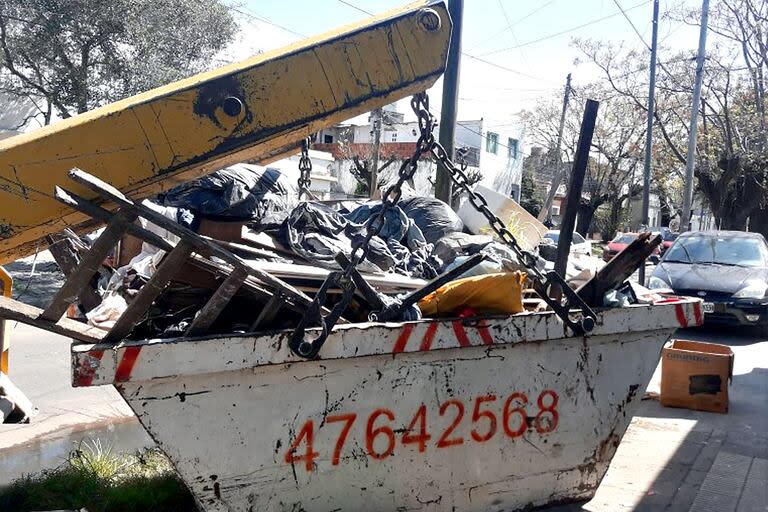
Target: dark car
column 727, row 269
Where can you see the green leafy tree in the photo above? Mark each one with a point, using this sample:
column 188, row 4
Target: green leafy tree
column 69, row 56
column 531, row 197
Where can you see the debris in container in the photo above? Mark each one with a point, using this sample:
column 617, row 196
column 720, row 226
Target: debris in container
column 240, row 191
column 490, row 293
column 434, row 218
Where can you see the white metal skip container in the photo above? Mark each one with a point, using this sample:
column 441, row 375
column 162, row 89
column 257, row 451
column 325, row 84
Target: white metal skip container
column 499, row 413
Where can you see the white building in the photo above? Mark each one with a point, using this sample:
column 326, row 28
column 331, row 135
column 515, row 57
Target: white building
column 494, row 150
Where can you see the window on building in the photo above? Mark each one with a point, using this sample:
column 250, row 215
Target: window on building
column 394, row 136
column 492, row 142
column 512, row 148
column 555, row 210
column 328, row 139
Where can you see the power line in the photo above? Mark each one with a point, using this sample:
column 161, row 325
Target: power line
column 356, row 7
column 512, row 32
column 566, row 31
column 254, row 15
column 349, row 4
column 496, row 34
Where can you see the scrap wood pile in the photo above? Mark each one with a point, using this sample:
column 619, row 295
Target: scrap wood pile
column 237, row 252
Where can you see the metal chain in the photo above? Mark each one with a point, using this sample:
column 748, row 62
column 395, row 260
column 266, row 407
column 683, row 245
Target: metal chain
column 426, row 144
column 374, row 225
column 305, row 169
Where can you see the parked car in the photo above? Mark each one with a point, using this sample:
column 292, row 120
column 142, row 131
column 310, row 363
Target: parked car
column 618, row 244
column 668, row 239
column 578, row 244
column 728, row 269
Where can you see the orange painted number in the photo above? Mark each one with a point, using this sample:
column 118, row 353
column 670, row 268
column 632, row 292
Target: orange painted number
column 516, row 411
column 477, row 415
column 444, row 442
column 371, row 433
column 422, row 437
column 544, row 423
column 349, row 419
column 306, row 434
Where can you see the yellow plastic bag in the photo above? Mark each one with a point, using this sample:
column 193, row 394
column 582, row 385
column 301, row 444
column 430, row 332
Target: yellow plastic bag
column 489, row 293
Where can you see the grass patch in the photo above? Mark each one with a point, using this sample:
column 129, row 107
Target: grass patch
column 95, row 478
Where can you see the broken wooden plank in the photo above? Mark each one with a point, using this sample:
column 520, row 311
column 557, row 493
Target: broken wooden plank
column 269, row 311
column 88, row 266
column 149, row 292
column 109, row 192
column 67, row 258
column 619, row 269
column 217, row 302
column 18, row 311
column 97, row 212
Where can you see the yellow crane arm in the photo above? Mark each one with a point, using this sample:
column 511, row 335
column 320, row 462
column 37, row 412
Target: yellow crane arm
column 252, row 110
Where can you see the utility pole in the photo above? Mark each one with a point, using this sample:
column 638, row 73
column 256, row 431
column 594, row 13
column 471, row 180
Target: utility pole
column 377, row 119
column 450, row 100
column 685, row 222
column 559, row 171
column 649, row 128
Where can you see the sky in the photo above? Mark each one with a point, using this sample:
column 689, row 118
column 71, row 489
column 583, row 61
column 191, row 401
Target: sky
column 526, row 45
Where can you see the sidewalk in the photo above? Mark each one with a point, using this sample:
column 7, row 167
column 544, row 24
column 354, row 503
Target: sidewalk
column 680, row 460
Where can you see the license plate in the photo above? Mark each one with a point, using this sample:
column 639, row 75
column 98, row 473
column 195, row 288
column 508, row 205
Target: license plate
column 708, row 307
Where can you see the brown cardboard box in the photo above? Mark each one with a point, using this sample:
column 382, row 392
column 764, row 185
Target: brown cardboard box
column 228, row 231
column 695, row 375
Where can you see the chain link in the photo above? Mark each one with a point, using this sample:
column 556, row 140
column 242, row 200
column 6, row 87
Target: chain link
column 305, row 169
column 426, row 144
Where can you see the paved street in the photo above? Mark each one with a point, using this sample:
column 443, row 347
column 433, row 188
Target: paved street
column 669, row 459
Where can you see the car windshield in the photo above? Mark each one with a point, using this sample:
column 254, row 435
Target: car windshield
column 624, row 239
column 744, row 252
column 670, row 236
column 578, row 239
column 553, row 236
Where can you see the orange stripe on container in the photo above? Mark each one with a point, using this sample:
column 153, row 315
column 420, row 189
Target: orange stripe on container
column 426, row 341
column 86, row 372
column 681, row 315
column 402, row 340
column 124, row 369
column 461, row 334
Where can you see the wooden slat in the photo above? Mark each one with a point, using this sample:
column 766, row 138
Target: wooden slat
column 217, row 302
column 170, row 265
column 619, row 269
column 269, row 311
column 18, row 311
column 88, row 266
column 97, row 212
column 109, row 192
column 67, row 258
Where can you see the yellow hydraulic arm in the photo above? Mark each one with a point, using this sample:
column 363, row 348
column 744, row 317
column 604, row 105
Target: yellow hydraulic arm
column 253, row 110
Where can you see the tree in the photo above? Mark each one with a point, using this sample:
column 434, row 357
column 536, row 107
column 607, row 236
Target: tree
column 732, row 149
column 615, row 152
column 69, row 56
column 531, row 197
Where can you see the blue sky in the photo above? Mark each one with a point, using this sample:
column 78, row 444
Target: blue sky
column 536, row 50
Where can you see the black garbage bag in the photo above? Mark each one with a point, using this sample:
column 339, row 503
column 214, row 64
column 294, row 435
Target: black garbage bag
column 317, row 233
column 395, row 220
column 434, row 218
column 238, row 192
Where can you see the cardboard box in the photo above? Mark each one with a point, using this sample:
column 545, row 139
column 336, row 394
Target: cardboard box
column 228, row 231
column 696, row 375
